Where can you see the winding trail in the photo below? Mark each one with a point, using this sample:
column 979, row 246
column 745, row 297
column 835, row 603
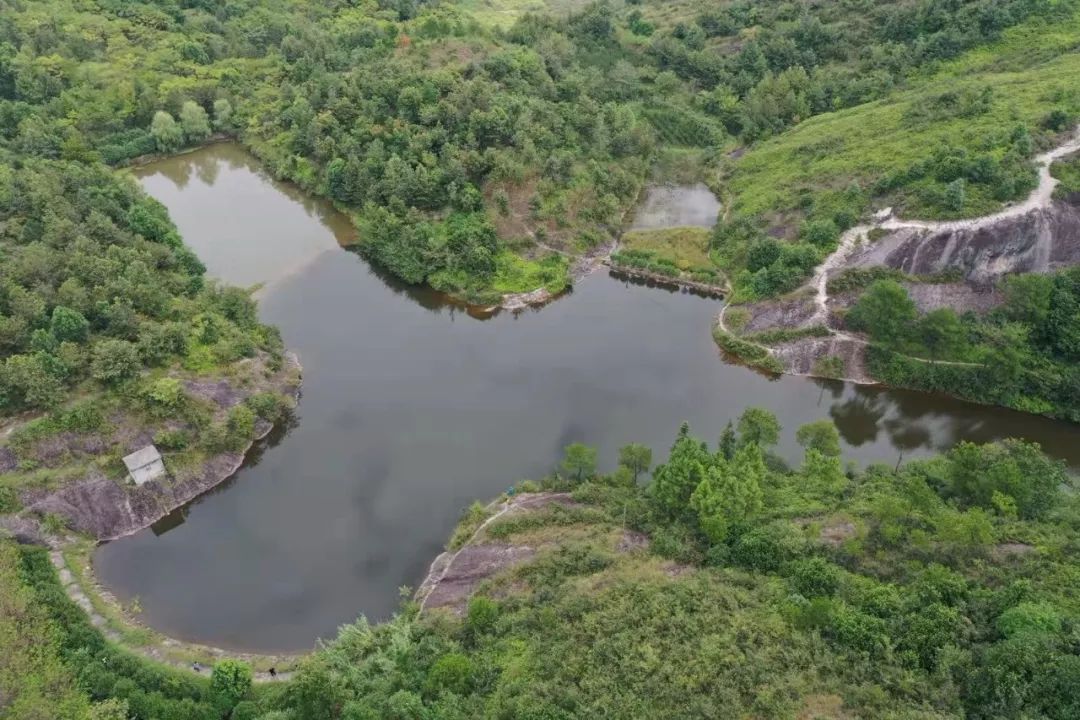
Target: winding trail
column 1039, row 199
column 177, row 654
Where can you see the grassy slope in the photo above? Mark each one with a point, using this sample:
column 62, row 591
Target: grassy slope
column 1031, row 71
column 687, row 247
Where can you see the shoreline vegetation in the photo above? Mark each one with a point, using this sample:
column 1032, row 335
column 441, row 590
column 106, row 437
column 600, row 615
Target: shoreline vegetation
column 842, row 579
column 478, row 163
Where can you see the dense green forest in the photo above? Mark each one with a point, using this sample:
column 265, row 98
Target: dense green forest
column 105, row 317
column 476, row 153
column 942, row 588
column 1024, row 354
column 464, row 151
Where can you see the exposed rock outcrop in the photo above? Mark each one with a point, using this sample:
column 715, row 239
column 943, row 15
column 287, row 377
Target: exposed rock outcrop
column 1042, row 241
column 1040, row 234
column 801, row 357
column 107, row 508
column 454, row 576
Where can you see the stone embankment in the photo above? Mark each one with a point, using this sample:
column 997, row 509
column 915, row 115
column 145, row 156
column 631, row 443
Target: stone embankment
column 80, row 588
column 700, row 288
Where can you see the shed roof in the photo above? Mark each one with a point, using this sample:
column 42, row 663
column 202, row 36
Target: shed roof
column 142, row 458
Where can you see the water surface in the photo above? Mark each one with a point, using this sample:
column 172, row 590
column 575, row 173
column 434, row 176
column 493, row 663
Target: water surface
column 667, row 206
column 412, row 409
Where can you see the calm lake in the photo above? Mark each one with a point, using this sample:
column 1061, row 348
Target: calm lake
column 411, row 409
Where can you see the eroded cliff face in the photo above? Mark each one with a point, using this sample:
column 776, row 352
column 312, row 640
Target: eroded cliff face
column 975, row 255
column 107, row 508
column 1044, row 240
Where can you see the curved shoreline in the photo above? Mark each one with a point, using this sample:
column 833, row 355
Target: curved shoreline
column 107, row 613
column 1042, row 194
column 116, row 623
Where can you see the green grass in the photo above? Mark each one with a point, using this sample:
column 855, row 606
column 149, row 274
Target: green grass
column 687, row 247
column 515, row 274
column 783, row 335
column 750, row 353
column 1067, row 173
column 1034, row 69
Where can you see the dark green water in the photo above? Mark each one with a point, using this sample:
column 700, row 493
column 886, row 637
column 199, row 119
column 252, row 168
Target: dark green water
column 412, row 409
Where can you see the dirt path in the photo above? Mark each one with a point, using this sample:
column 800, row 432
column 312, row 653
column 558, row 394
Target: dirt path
column 1040, row 198
column 166, row 651
column 820, row 281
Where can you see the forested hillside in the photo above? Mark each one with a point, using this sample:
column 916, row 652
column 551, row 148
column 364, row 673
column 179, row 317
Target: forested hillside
column 484, row 150
column 730, row 585
column 465, row 151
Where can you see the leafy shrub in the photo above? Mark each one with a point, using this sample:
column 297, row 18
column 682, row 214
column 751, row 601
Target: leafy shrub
column 1030, row 617
column 481, row 616
column 172, row 439
column 268, row 405
column 231, row 680
column 114, row 361
column 768, row 547
column 164, row 396
column 814, row 577
column 452, row 672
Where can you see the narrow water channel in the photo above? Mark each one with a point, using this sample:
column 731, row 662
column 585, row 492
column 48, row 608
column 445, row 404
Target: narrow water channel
column 412, row 409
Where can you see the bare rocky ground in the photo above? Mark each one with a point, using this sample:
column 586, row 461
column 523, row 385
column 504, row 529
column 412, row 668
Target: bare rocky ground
column 802, row 356
column 793, row 312
column 1044, row 240
column 456, row 575
column 107, row 507
column 1040, row 234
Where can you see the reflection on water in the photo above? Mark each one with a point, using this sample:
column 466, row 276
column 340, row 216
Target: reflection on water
column 677, row 206
column 246, row 227
column 411, row 410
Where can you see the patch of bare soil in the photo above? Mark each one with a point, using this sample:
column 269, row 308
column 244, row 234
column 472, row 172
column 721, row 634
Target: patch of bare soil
column 1006, row 551
column 823, row 707
column 631, row 541
column 836, row 534
column 833, row 531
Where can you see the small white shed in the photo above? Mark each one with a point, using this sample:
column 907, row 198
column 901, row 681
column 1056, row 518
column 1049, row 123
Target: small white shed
column 144, row 465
